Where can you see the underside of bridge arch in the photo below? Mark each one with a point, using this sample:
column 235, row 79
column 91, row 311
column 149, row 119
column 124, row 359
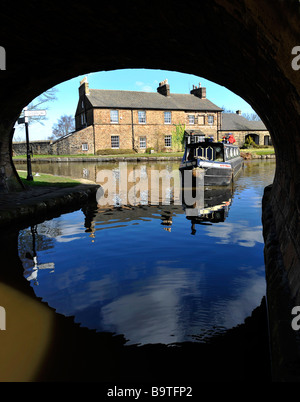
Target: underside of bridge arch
column 244, row 45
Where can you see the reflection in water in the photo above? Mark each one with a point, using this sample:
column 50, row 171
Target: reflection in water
column 137, row 270
column 32, row 272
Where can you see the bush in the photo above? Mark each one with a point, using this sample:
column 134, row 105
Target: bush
column 148, row 150
column 249, row 143
column 115, row 151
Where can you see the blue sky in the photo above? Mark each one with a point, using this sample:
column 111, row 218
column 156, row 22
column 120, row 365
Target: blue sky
column 130, row 80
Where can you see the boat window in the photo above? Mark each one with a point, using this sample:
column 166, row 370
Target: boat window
column 219, row 154
column 209, row 153
column 200, row 152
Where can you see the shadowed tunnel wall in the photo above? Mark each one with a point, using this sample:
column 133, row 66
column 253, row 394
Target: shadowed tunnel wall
column 244, row 45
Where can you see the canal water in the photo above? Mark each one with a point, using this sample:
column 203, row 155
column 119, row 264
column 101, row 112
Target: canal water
column 145, row 265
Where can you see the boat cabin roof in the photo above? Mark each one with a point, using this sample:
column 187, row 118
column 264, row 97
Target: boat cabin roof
column 210, row 150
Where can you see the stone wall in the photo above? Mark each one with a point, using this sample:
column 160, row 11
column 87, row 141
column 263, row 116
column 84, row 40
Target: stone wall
column 282, row 276
column 240, row 136
column 37, row 147
column 129, row 130
column 74, row 143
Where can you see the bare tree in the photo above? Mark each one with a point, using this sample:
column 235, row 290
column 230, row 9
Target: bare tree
column 38, row 103
column 64, row 126
column 251, row 116
column 248, row 116
column 41, row 103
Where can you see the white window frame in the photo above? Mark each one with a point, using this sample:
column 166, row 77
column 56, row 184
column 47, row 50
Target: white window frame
column 114, row 138
column 114, row 116
column 83, row 121
column 142, row 116
column 167, row 117
column 191, row 118
column 168, row 141
column 143, row 142
column 85, row 146
column 210, row 119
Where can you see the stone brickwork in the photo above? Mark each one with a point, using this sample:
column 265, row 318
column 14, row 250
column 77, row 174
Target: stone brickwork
column 37, row 147
column 240, row 136
column 80, row 142
column 281, row 252
column 139, row 136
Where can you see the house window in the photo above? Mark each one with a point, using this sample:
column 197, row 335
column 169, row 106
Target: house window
column 114, row 116
column 167, row 117
column 85, row 147
column 115, row 141
column 142, row 116
column 191, row 118
column 168, row 140
column 210, row 119
column 83, row 121
column 142, row 142
column 201, row 120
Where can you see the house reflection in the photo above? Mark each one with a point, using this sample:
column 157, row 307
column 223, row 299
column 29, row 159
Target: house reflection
column 200, row 206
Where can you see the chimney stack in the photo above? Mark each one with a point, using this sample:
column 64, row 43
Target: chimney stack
column 164, row 88
column 198, row 91
column 84, row 87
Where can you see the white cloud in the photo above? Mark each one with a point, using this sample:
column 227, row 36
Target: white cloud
column 147, row 87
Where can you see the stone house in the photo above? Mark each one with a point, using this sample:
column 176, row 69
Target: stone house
column 241, row 128
column 132, row 120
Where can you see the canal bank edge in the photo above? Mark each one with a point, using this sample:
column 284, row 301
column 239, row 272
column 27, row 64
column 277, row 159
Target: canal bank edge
column 245, row 155
column 34, row 205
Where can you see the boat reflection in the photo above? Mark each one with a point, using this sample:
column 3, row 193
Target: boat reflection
column 201, row 205
column 211, row 206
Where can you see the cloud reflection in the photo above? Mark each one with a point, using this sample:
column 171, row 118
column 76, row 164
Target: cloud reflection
column 240, row 233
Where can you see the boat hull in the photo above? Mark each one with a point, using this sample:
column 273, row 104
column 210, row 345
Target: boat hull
column 215, row 173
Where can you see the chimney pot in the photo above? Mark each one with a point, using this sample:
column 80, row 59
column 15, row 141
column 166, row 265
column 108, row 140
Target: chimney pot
column 200, row 92
column 164, row 88
column 84, row 87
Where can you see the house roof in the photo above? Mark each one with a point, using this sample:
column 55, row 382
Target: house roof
column 236, row 122
column 148, row 100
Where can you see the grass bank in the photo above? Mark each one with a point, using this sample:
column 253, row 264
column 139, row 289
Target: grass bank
column 259, row 151
column 135, row 155
column 47, row 180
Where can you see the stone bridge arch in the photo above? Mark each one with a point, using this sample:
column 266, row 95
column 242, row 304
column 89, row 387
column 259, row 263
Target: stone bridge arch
column 244, row 45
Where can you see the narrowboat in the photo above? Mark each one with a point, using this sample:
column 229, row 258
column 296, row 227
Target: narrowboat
column 219, row 161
